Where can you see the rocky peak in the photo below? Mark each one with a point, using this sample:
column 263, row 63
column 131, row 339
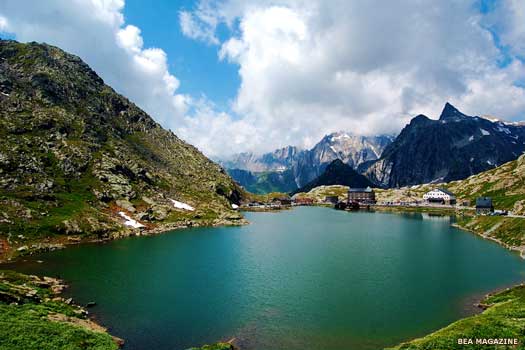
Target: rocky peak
column 451, row 112
column 420, row 119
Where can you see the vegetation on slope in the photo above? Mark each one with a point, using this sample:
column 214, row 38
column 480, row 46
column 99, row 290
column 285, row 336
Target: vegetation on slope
column 32, row 316
column 505, row 184
column 217, row 346
column 318, row 194
column 507, row 231
column 504, row 318
column 73, row 153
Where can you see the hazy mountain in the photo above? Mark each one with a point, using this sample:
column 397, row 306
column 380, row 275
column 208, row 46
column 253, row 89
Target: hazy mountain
column 278, row 160
column 451, row 148
column 264, row 182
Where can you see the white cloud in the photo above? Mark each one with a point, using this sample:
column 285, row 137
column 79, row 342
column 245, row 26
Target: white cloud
column 311, row 67
column 509, row 18
column 306, row 67
column 217, row 133
column 201, row 23
column 3, row 23
column 193, row 28
column 96, row 31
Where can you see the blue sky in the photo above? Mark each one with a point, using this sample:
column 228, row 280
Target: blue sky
column 290, row 71
column 195, row 63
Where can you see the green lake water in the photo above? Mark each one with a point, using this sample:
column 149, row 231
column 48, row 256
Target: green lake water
column 308, row 278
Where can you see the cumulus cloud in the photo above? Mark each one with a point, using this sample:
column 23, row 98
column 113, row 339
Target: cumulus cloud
column 96, row 31
column 196, row 27
column 3, row 23
column 307, row 68
column 509, row 20
column 312, row 67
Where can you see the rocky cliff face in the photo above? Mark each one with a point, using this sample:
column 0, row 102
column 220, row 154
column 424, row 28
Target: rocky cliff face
column 306, row 165
column 74, row 153
column 451, row 148
column 350, row 149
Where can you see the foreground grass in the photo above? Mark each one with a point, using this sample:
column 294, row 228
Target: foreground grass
column 503, row 318
column 217, row 346
column 33, row 317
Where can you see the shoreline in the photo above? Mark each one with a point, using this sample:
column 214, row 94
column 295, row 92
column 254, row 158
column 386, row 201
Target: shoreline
column 36, row 304
column 15, row 252
column 519, row 250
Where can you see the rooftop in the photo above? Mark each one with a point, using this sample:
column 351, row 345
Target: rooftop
column 484, row 202
column 368, row 189
column 444, row 190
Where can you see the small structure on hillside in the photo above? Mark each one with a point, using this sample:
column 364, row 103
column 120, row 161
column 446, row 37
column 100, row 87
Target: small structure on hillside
column 440, row 196
column 484, row 206
column 282, row 201
column 331, row 199
column 361, row 195
column 304, row 201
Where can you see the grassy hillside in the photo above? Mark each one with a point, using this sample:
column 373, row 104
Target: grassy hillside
column 318, row 194
column 507, row 231
column 505, row 184
column 32, row 316
column 74, row 153
column 503, row 318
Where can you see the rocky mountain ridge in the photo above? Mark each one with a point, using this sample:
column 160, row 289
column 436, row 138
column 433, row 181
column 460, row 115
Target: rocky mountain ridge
column 451, row 148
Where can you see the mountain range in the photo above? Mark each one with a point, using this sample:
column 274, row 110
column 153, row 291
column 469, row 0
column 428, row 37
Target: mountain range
column 289, row 168
column 453, row 147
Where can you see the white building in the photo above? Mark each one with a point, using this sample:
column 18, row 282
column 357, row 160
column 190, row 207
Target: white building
column 440, row 195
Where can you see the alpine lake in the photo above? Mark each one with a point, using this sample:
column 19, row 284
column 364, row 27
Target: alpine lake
column 307, row 278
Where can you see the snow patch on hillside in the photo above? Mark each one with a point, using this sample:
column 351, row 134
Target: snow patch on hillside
column 130, row 221
column 180, row 205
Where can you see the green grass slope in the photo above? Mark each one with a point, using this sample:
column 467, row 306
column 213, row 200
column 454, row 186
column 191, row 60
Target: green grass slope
column 33, row 317
column 505, row 184
column 504, row 318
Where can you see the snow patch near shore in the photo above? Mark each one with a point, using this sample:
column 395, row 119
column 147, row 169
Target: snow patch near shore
column 180, row 205
column 130, row 221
